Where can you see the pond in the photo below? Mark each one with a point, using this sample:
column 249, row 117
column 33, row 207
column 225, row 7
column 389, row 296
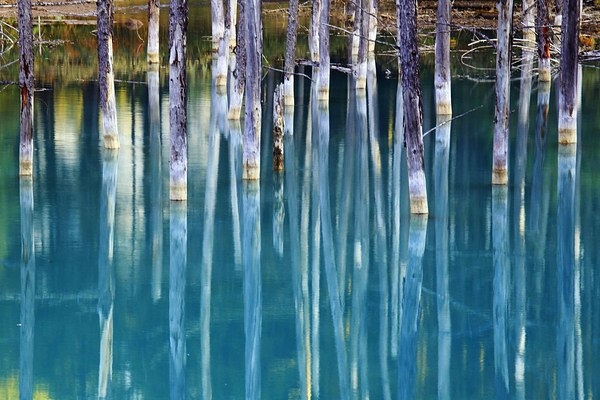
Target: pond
column 312, row 283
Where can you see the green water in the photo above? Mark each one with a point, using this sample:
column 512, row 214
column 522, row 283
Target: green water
column 312, row 283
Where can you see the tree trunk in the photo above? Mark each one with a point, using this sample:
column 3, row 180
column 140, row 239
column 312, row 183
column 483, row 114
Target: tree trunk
column 238, row 69
column 278, row 129
column 290, row 54
column 217, row 23
column 230, row 21
column 372, row 24
column 323, row 74
column 362, row 19
column 543, row 41
column 252, row 122
column 153, row 29
column 26, row 86
column 443, row 98
column 503, row 57
column 177, row 98
column 315, row 31
column 528, row 18
column 106, row 77
column 411, row 94
column 567, row 111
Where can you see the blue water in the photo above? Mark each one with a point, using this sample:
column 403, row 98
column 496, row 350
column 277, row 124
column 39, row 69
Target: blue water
column 315, row 282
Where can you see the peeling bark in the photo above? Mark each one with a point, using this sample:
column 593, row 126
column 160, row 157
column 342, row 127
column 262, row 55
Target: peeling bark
column 26, row 86
column 567, row 109
column 153, row 30
column 106, row 77
column 411, row 94
column 177, row 99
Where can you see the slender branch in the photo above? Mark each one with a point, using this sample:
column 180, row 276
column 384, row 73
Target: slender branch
column 452, row 119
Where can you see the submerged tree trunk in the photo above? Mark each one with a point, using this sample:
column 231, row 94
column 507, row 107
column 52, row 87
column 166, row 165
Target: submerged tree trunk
column 252, row 122
column 323, row 76
column 362, row 19
column 567, row 109
column 443, row 98
column 238, row 69
column 290, row 54
column 372, row 17
column 278, row 129
column 411, row 94
column 177, row 98
column 106, row 77
column 528, row 18
column 503, row 55
column 230, row 21
column 217, row 23
column 26, row 86
column 543, row 41
column 153, row 29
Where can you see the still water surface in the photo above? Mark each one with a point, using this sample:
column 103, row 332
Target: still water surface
column 312, row 283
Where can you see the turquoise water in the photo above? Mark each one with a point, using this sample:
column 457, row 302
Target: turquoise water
column 311, row 283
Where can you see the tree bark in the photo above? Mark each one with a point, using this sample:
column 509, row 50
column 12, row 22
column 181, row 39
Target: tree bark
column 411, row 94
column 230, row 21
column 323, row 74
column 217, row 22
column 528, row 19
column 177, row 98
column 567, row 111
column 443, row 98
column 503, row 56
column 238, row 69
column 26, row 86
column 290, row 54
column 153, row 29
column 362, row 19
column 252, row 122
column 543, row 41
column 315, row 31
column 106, row 77
column 372, row 24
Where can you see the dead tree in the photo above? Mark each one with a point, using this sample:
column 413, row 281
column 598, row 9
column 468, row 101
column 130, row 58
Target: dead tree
column 360, row 68
column 252, row 122
column 106, row 75
column 238, row 69
column 314, row 31
column 411, row 94
column 278, row 129
column 217, row 23
column 443, row 98
column 503, row 55
column 290, row 54
column 153, row 29
column 178, row 20
column 323, row 75
column 567, row 109
column 542, row 27
column 26, row 86
column 528, row 21
column 372, row 23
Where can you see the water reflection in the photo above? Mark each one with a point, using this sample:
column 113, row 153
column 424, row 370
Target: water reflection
column 566, row 288
column 177, row 283
column 411, row 305
column 252, row 287
column 27, row 320
column 440, row 170
column 106, row 284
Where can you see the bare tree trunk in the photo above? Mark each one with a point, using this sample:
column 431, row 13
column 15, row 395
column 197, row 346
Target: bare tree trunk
column 238, row 69
column 503, row 55
column 567, row 109
column 217, row 22
column 443, row 98
column 411, row 94
column 362, row 19
column 106, row 77
column 528, row 21
column 290, row 54
column 252, row 121
column 372, row 36
column 323, row 75
column 230, row 21
column 177, row 98
column 153, row 29
column 315, row 31
column 26, row 86
column 543, row 41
